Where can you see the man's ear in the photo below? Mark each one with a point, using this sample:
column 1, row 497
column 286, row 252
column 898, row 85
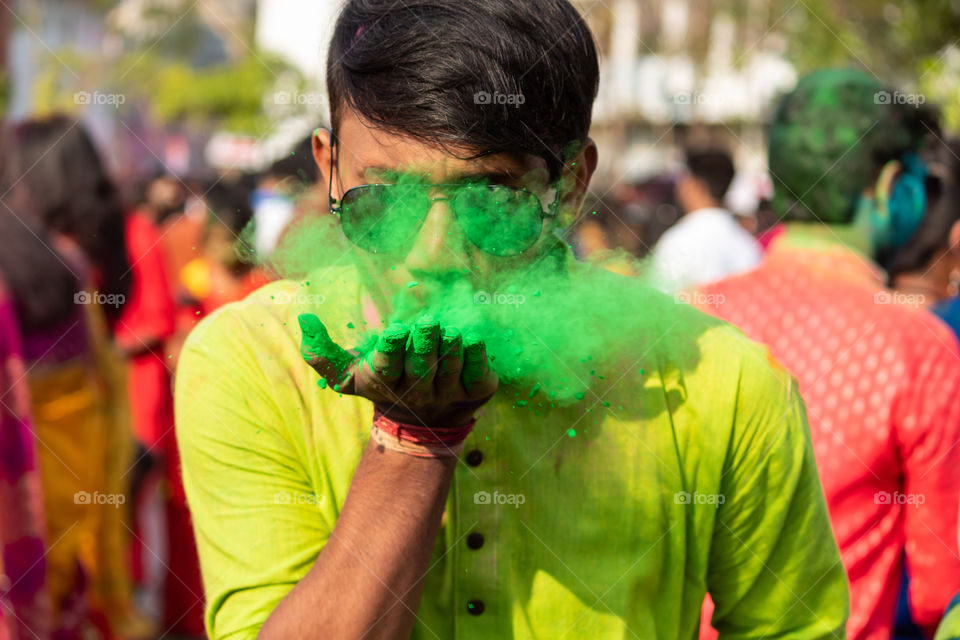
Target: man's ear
column 575, row 183
column 321, row 143
column 953, row 238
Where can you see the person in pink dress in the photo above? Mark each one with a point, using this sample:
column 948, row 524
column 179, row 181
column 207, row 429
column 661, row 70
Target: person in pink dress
column 880, row 377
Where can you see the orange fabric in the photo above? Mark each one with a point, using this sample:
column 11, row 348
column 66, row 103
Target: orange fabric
column 882, row 385
column 181, row 241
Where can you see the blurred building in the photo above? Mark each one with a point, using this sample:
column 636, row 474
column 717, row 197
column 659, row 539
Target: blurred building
column 679, row 71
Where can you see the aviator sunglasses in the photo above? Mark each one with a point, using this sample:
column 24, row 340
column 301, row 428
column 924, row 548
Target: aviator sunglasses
column 385, row 219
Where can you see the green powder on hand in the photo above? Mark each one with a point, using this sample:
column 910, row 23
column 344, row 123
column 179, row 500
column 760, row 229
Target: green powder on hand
column 318, row 344
column 394, row 339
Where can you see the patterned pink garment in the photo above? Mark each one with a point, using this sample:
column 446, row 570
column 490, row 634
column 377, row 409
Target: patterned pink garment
column 881, row 381
column 24, row 605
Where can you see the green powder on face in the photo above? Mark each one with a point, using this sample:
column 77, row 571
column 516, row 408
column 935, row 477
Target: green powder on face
column 539, row 315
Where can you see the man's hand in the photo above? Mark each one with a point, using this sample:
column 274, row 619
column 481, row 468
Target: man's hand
column 420, row 374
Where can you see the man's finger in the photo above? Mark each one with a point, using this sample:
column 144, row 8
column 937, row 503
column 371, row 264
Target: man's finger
column 476, row 370
column 421, row 357
column 449, row 362
column 386, row 359
column 329, row 359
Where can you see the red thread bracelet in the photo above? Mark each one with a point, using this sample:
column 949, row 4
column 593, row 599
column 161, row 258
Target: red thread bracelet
column 421, row 435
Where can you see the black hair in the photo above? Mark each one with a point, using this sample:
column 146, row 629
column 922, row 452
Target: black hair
column 230, row 207
column 298, row 164
column 53, row 163
column 943, row 210
column 41, row 285
column 714, row 167
column 491, row 76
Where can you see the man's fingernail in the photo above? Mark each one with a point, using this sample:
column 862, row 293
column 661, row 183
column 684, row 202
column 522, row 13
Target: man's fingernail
column 394, row 339
column 425, row 334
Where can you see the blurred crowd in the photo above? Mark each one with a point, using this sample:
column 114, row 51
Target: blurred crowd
column 99, row 285
column 101, row 282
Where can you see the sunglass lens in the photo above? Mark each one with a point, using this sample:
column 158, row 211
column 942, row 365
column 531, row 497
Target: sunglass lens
column 500, row 220
column 383, row 219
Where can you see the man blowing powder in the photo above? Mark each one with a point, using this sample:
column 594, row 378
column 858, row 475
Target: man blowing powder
column 552, row 451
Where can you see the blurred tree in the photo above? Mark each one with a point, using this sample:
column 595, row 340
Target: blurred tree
column 181, row 62
column 889, row 39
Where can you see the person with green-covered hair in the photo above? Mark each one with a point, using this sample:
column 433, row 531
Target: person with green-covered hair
column 447, row 427
column 881, row 377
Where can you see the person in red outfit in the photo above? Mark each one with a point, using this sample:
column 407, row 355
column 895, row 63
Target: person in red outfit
column 880, row 377
column 148, row 323
column 217, row 276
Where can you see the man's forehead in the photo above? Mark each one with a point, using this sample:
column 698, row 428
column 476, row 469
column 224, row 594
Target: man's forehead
column 374, row 150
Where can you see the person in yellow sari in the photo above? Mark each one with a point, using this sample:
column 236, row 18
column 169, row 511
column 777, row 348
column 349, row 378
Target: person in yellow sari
column 69, row 278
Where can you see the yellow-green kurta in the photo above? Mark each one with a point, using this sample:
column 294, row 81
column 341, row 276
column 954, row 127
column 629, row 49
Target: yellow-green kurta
column 611, row 523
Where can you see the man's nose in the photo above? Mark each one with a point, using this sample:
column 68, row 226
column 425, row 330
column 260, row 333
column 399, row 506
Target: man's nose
column 440, row 246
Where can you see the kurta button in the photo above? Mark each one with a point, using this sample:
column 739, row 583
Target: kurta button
column 475, row 540
column 475, row 607
column 474, row 457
